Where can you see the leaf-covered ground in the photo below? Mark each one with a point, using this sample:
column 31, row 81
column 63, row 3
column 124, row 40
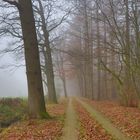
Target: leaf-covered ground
column 33, row 130
column 127, row 119
column 57, row 110
column 89, row 128
column 38, row 129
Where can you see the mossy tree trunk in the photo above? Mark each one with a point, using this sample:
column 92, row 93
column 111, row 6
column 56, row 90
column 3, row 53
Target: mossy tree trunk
column 35, row 88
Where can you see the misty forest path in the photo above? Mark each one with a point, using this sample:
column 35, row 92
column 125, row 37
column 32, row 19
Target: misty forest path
column 70, row 130
column 70, row 126
column 104, row 122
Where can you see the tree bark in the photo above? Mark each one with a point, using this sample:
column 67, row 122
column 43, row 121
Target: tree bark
column 99, row 55
column 35, row 88
column 48, row 59
column 64, row 86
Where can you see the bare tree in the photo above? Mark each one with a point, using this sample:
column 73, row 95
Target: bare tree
column 35, row 95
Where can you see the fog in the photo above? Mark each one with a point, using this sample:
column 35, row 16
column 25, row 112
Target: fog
column 13, row 85
column 72, row 87
column 13, row 81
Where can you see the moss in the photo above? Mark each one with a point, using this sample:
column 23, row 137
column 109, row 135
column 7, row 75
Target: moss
column 12, row 110
column 45, row 115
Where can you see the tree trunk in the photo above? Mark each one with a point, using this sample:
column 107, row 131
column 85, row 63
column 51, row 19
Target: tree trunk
column 48, row 59
column 106, row 60
column 63, row 76
column 99, row 55
column 64, row 86
column 128, row 85
column 88, row 53
column 35, row 88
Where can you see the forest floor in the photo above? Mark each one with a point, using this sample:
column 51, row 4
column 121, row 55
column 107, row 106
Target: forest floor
column 79, row 119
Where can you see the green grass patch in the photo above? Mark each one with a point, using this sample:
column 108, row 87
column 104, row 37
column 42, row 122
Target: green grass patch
column 12, row 110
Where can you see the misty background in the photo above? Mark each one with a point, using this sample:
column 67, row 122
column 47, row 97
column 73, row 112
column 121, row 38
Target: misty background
column 12, row 80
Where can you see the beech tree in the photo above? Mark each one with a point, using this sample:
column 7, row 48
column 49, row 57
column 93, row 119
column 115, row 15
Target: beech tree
column 46, row 50
column 60, row 65
column 34, row 79
column 46, row 24
column 107, row 33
